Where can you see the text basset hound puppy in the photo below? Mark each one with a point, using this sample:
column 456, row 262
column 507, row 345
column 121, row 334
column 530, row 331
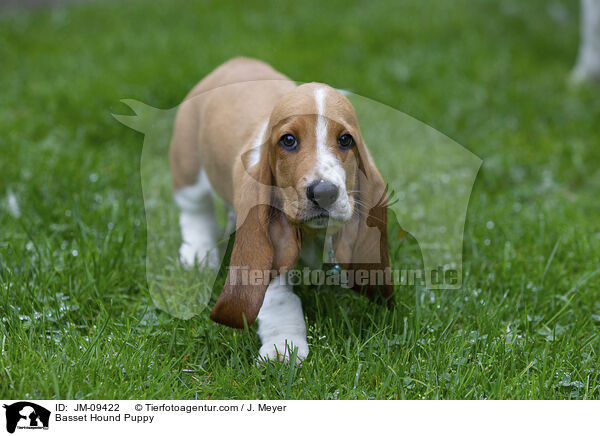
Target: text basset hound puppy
column 291, row 162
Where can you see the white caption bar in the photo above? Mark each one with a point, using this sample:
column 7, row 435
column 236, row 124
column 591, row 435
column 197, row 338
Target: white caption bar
column 23, row 417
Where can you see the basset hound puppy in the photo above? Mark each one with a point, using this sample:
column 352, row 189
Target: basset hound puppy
column 291, row 162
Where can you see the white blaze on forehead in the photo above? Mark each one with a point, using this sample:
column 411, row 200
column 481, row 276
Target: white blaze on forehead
column 321, row 128
column 254, row 155
column 327, row 164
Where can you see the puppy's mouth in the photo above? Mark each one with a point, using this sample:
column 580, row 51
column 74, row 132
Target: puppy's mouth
column 318, row 220
column 321, row 219
column 314, row 217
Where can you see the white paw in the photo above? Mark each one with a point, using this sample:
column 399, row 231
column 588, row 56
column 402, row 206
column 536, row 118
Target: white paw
column 281, row 349
column 191, row 255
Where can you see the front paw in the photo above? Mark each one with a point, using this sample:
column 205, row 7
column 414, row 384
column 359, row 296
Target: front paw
column 283, row 348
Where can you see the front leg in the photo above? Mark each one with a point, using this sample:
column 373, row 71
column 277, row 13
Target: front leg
column 281, row 325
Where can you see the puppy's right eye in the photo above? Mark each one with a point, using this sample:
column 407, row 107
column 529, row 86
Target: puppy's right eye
column 289, row 142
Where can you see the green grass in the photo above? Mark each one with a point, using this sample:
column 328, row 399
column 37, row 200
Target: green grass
column 77, row 317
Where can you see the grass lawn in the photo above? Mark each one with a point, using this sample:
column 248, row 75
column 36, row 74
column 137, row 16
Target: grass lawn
column 77, row 317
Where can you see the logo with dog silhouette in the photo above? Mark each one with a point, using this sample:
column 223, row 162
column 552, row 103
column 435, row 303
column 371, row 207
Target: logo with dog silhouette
column 26, row 415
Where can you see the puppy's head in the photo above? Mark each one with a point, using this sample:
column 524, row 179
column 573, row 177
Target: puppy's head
column 314, row 139
column 308, row 168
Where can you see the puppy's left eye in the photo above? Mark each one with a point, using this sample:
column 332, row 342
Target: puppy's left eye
column 346, row 141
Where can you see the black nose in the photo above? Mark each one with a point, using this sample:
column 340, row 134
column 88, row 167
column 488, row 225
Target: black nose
column 322, row 193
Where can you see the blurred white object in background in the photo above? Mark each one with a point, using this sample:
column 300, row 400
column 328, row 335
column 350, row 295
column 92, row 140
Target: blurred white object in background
column 587, row 66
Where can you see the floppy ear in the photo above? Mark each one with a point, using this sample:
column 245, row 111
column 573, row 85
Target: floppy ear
column 362, row 244
column 253, row 255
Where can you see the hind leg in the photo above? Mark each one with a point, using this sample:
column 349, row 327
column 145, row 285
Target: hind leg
column 198, row 223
